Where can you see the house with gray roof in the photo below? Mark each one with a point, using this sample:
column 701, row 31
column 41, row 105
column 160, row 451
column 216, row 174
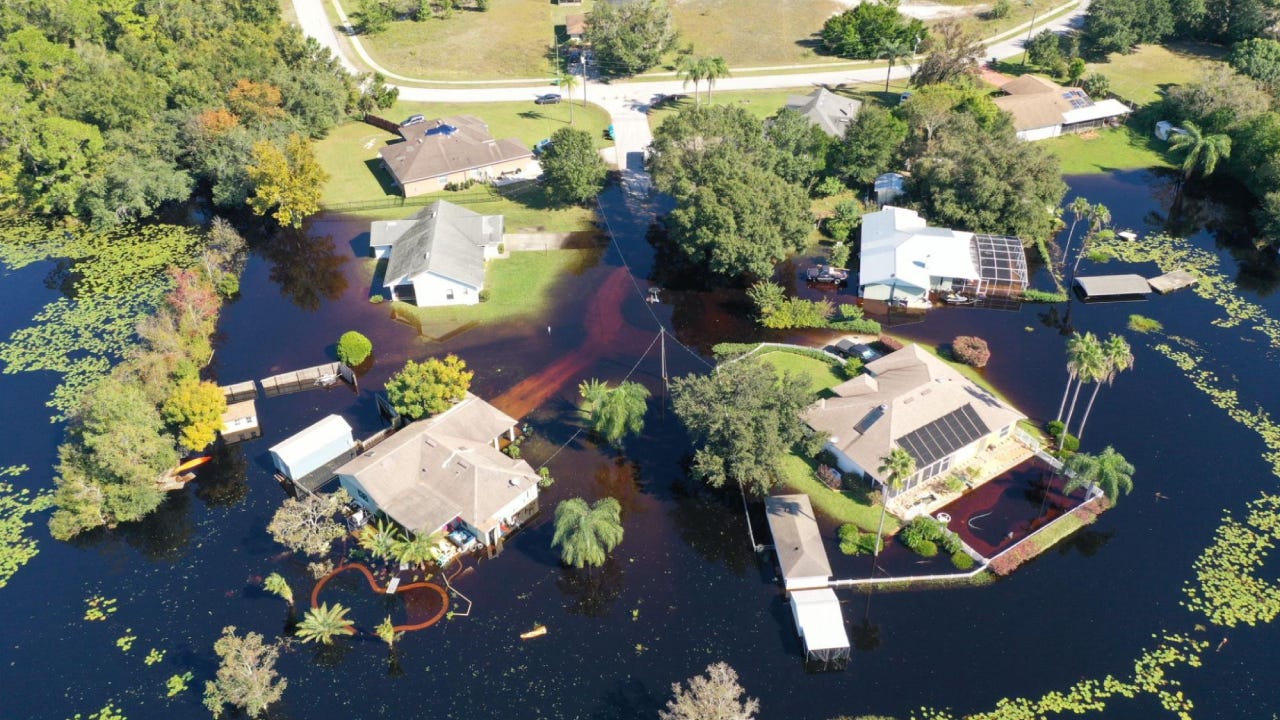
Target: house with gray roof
column 912, row 400
column 453, row 149
column 438, row 256
column 445, row 473
column 828, row 111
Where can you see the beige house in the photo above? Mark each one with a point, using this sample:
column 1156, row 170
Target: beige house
column 910, row 399
column 824, row 109
column 446, row 472
column 1043, row 109
column 451, row 150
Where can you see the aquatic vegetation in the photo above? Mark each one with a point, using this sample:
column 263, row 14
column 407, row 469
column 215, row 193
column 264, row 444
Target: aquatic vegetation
column 108, row 712
column 16, row 546
column 1227, row 590
column 97, row 608
column 125, row 642
column 154, row 656
column 178, row 683
column 1144, row 324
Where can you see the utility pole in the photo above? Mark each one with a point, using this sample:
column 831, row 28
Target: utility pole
column 582, row 57
column 1026, row 45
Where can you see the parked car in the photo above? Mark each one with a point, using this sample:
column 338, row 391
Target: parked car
column 826, row 275
column 548, row 99
column 542, row 146
column 851, row 349
column 413, row 120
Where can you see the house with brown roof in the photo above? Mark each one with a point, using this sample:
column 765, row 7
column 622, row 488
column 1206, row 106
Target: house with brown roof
column 1043, row 109
column 451, row 150
column 912, row 400
column 438, row 256
column 446, row 473
column 575, row 27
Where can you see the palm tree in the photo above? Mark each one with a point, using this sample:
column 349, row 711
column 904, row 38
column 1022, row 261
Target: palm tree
column 691, row 69
column 587, row 534
column 1099, row 217
column 386, row 631
column 1203, row 152
column 277, row 585
column 324, row 623
column 416, row 550
column 1080, row 208
column 1119, row 358
column 895, row 468
column 893, row 51
column 380, row 539
column 1091, row 366
column 713, row 68
column 1107, row 470
column 614, row 412
column 1074, row 346
column 568, row 83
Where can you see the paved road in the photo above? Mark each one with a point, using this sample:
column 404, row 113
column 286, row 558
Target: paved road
column 627, row 102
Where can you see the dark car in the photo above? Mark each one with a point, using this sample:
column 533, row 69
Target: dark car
column 413, row 120
column 542, row 146
column 851, row 349
column 548, row 99
column 826, row 275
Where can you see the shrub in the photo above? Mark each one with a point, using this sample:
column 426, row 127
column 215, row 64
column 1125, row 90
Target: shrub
column 847, row 218
column 1068, row 444
column 726, row 350
column 376, row 299
column 484, row 295
column 852, row 367
column 849, row 535
column 828, row 186
column 1144, row 324
column 1096, row 85
column 999, row 9
column 971, row 350
column 1040, row 296
column 840, row 255
column 829, row 476
column 926, row 548
column 950, row 542
column 354, row 348
column 954, row 483
column 961, row 560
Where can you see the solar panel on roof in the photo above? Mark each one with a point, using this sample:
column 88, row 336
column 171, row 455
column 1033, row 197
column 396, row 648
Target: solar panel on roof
column 944, row 436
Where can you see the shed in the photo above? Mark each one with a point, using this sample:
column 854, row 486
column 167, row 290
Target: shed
column 820, row 624
column 310, row 449
column 798, row 542
column 240, row 422
column 1113, row 287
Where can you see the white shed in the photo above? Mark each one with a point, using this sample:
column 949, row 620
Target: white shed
column 820, row 624
column 306, row 451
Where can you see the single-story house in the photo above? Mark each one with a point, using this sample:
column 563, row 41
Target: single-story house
column 575, row 27
column 1043, row 109
column 451, row 150
column 240, row 422
column 910, row 399
column 903, row 260
column 438, row 256
column 313, row 447
column 826, row 110
column 446, row 472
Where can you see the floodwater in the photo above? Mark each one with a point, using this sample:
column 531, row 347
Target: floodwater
column 685, row 588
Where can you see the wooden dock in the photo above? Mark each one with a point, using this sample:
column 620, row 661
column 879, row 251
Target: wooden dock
column 1171, row 281
column 320, row 376
column 239, row 392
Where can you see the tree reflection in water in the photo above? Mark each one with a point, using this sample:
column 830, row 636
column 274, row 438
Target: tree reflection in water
column 713, row 525
column 591, row 591
column 161, row 536
column 223, row 482
column 307, row 269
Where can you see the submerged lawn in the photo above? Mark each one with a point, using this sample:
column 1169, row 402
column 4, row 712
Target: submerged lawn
column 1106, row 151
column 518, row 286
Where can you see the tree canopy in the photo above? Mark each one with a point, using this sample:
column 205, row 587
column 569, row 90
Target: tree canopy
column 743, row 418
column 860, row 31
column 286, row 183
column 715, row 695
column 429, row 387
column 246, row 677
column 307, row 524
column 586, row 534
column 572, row 169
column 629, row 38
column 870, row 145
column 615, row 412
column 195, row 407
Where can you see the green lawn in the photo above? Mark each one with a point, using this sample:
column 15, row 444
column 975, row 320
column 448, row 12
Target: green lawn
column 1021, row 11
column 842, row 506
column 350, row 155
column 1121, row 148
column 750, row 33
column 518, row 286
column 524, row 207
column 821, row 375
column 1141, row 76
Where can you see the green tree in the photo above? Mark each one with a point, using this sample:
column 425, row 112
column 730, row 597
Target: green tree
column 587, row 534
column 616, row 412
column 1086, row 362
column 1108, row 470
column 386, row 632
column 323, row 624
column 60, row 158
column 800, row 147
column 1075, row 70
column 380, row 539
column 630, row 38
column 354, row 348
column 713, row 696
column 893, row 51
column 1118, row 357
column 954, row 49
column 859, row 32
column 870, row 145
column 278, row 586
column 846, row 218
column 306, row 524
column 288, row 181
column 1200, row 152
column 429, row 387
column 1044, row 50
column 195, row 408
column 894, row 470
column 373, row 17
column 743, row 419
column 714, row 68
column 573, row 171
column 1096, row 85
column 1219, row 101
column 246, row 676
column 416, row 549
column 686, row 142
column 691, row 69
column 1236, row 20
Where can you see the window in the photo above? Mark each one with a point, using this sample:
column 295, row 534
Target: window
column 448, row 294
column 1004, row 431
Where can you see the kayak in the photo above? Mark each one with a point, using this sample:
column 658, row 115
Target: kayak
column 538, row 631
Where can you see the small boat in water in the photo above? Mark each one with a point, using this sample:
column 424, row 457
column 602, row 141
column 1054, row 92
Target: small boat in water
column 538, row 631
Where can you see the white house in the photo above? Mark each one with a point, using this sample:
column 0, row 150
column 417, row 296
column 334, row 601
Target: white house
column 311, row 448
column 910, row 399
column 903, row 260
column 438, row 256
column 446, row 472
column 1043, row 109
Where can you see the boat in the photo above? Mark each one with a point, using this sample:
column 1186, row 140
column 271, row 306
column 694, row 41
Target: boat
column 538, row 631
column 192, row 463
column 957, row 299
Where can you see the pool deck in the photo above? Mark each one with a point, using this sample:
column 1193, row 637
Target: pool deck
column 998, row 514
